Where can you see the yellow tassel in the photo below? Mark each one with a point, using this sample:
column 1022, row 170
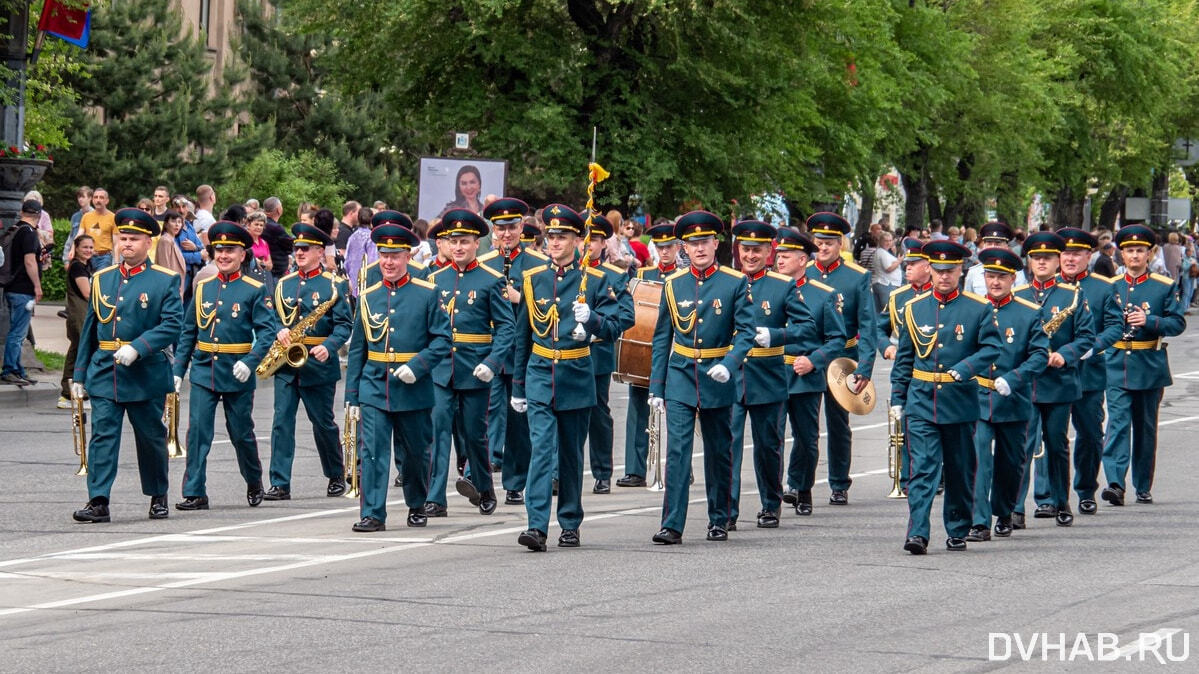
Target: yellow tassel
column 598, row 174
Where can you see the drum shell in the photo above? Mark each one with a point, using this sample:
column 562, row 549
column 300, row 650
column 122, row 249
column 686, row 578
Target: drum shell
column 634, row 349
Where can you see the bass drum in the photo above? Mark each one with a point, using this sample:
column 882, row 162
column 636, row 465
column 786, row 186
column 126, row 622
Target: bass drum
column 635, row 346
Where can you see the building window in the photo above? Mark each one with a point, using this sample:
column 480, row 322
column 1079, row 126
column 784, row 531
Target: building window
column 205, row 16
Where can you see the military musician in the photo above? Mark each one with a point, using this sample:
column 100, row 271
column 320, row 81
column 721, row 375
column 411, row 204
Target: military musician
column 135, row 316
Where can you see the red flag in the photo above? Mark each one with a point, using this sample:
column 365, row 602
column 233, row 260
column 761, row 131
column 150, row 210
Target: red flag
column 65, row 21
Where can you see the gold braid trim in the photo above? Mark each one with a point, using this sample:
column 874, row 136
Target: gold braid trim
column 917, row 339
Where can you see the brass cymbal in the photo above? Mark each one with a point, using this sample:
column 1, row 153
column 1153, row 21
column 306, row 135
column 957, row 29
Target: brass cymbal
column 838, row 384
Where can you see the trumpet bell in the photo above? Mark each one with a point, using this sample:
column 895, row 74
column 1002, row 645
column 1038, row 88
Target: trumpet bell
column 838, row 384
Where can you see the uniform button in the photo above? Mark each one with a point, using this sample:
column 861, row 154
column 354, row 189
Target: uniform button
column 701, row 320
column 222, row 285
column 216, row 357
column 700, row 341
column 455, row 311
column 457, row 292
column 118, row 318
column 218, row 320
column 391, row 311
column 393, row 293
column 391, row 329
column 459, row 274
column 391, row 348
column 453, row 348
column 942, row 306
column 216, row 339
column 557, row 299
column 119, row 298
column 938, row 386
column 301, row 283
column 555, row 339
column 701, row 283
column 699, row 303
column 219, row 303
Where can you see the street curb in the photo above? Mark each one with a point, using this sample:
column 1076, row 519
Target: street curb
column 37, row 395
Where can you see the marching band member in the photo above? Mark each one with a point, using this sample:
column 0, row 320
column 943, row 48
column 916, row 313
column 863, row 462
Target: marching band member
column 1147, row 307
column 400, row 334
column 297, row 295
column 1056, row 390
column 603, row 356
column 1086, row 414
column 1005, row 396
column 416, row 269
column 852, row 284
column 554, row 379
column 780, row 318
column 807, row 363
column 228, row 327
column 919, row 280
column 507, row 429
column 135, row 315
column 704, row 331
column 948, row 338
column 481, row 325
column 636, row 439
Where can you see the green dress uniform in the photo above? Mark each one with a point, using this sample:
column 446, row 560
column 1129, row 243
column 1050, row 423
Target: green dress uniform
column 1004, row 415
column 822, row 345
column 481, row 324
column 230, row 319
column 298, row 295
column 1087, row 413
column 778, row 307
column 1138, row 370
column 139, row 307
column 705, row 323
column 555, row 375
column 398, row 324
column 1057, row 389
column 852, row 284
column 636, row 435
column 943, row 335
column 507, row 429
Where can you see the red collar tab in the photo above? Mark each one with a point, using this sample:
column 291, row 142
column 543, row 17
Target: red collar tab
column 759, row 274
column 399, row 283
column 439, row 264
column 667, row 269
column 706, row 273
column 922, row 288
column 1134, row 280
column 514, row 252
column 471, row 265
column 231, row 277
column 128, row 271
column 999, row 303
column 836, row 263
column 945, row 299
column 1044, row 286
column 316, row 271
column 1076, row 279
column 801, row 281
column 593, row 263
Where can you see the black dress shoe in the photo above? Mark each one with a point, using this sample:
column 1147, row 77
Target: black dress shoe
column 804, row 509
column 533, row 539
column 369, row 525
column 555, row 486
column 1113, row 494
column 192, row 503
column 487, row 502
column 731, row 525
column 602, row 487
column 631, row 481
column 838, row 497
column 254, row 494
column 94, row 511
column 790, row 496
column 1045, row 511
column 398, row 482
column 716, row 533
column 1087, row 506
column 461, row 467
column 434, row 510
column 1003, row 527
column 467, row 488
column 337, row 487
column 1017, row 521
column 158, row 508
column 514, row 497
column 1064, row 517
column 276, row 494
column 569, row 538
column 62, row 313
column 668, row 537
column 1144, row 497
column 978, row 533
column 955, row 544
column 417, row 518
column 917, row 545
column 768, row 519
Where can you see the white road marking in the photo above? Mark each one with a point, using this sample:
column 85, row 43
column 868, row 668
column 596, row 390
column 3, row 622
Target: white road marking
column 1176, row 421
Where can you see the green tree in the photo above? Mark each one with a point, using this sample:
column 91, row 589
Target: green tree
column 305, row 176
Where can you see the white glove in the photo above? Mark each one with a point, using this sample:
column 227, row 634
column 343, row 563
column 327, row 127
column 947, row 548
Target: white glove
column 896, row 412
column 405, row 374
column 178, row 384
column 1002, row 387
column 955, row 375
column 353, row 413
column 719, row 373
column 578, row 334
column 77, row 391
column 483, row 373
column 656, row 402
column 1088, row 354
column 241, row 371
column 762, row 338
column 125, row 355
column 582, row 312
column 520, row 405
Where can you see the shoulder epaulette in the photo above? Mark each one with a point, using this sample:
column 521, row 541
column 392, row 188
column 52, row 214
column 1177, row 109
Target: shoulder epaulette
column 415, row 265
column 641, row 272
column 811, row 263
column 421, row 282
column 202, row 281
column 253, row 282
column 900, row 290
column 488, row 256
column 491, row 271
column 328, row 275
column 613, row 268
column 1106, row 279
column 678, row 273
column 164, row 270
column 107, row 269
column 730, row 271
column 1019, row 288
column 1068, row 286
column 927, row 293
column 977, row 298
column 823, row 286
column 780, row 277
column 1162, row 278
column 536, row 253
column 1028, row 303
column 287, row 276
column 855, row 266
column 534, row 270
column 376, row 284
column 435, row 272
column 595, row 272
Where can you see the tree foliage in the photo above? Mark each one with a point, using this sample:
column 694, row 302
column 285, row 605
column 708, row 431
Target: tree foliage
column 305, row 176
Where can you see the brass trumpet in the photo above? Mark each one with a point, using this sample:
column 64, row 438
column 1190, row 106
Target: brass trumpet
column 895, row 455
column 349, row 449
column 79, row 432
column 170, row 417
column 653, row 463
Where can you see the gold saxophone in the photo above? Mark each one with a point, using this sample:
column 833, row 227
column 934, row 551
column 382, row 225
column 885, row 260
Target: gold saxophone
column 296, row 353
column 1054, row 324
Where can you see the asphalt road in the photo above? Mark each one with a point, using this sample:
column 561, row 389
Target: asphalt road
column 288, row 585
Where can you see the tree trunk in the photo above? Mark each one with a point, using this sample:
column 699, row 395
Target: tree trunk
column 1067, row 208
column 1112, row 207
column 915, row 187
column 1159, row 202
column 1008, row 204
column 866, row 214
